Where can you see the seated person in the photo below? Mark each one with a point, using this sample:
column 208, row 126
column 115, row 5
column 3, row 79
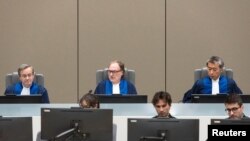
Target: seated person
column 116, row 84
column 214, row 83
column 26, row 86
column 162, row 102
column 234, row 107
column 91, row 101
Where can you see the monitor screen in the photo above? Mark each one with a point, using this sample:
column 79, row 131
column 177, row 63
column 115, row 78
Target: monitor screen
column 163, row 129
column 76, row 124
column 226, row 129
column 230, row 122
column 13, row 99
column 12, row 129
column 117, row 98
column 219, row 98
column 208, row 98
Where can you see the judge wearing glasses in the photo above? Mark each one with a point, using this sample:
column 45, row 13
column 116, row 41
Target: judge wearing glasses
column 115, row 84
column 234, row 107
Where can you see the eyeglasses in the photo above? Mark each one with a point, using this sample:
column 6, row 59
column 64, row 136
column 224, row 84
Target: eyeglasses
column 234, row 109
column 113, row 71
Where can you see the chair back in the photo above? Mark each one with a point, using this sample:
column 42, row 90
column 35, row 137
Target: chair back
column 200, row 73
column 102, row 74
column 12, row 78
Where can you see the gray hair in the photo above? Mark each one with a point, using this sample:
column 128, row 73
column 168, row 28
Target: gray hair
column 214, row 60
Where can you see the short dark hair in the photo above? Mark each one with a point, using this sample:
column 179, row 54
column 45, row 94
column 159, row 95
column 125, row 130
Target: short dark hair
column 162, row 95
column 233, row 98
column 91, row 99
column 216, row 59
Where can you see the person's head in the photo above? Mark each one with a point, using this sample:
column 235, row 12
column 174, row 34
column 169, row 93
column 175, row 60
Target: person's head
column 215, row 66
column 89, row 101
column 234, row 106
column 26, row 75
column 116, row 71
column 162, row 102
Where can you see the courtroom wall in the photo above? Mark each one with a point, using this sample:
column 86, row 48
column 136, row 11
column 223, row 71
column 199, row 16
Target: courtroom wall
column 197, row 29
column 162, row 40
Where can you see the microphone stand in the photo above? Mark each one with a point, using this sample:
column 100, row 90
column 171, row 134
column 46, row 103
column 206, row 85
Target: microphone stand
column 75, row 134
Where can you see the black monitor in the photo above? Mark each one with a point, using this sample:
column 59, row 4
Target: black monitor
column 163, row 129
column 16, row 129
column 219, row 98
column 117, row 98
column 226, row 129
column 208, row 98
column 76, row 124
column 230, row 122
column 13, row 99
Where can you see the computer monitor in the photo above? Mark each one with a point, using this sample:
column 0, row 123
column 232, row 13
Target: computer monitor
column 13, row 99
column 219, row 98
column 76, row 124
column 225, row 129
column 163, row 129
column 117, row 98
column 230, row 122
column 16, row 129
column 208, row 98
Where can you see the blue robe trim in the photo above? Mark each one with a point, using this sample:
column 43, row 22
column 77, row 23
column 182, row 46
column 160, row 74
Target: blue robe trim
column 19, row 87
column 204, row 86
column 207, row 85
column 106, row 87
column 34, row 90
column 109, row 87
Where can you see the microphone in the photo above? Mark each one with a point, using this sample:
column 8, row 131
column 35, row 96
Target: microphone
column 90, row 91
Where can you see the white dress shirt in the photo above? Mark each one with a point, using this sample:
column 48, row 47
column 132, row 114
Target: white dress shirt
column 116, row 88
column 215, row 87
column 25, row 91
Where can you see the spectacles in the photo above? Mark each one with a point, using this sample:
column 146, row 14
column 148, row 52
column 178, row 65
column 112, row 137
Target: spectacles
column 113, row 71
column 234, row 109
